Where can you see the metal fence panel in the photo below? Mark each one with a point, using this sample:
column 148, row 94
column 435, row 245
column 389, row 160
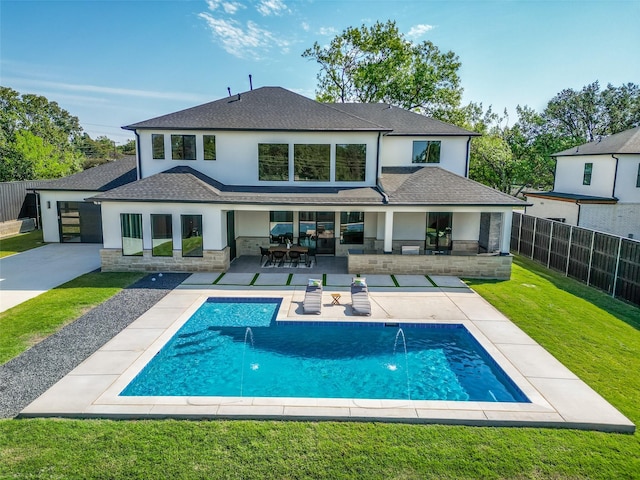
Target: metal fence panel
column 605, row 261
column 16, row 202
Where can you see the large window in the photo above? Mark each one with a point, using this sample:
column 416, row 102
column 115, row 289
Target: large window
column 183, row 147
column 191, row 235
column 281, row 227
column 209, row 143
column 426, row 151
column 131, row 224
column 157, row 143
column 351, row 162
column 161, row 236
column 586, row 177
column 273, row 161
column 312, row 162
column 439, row 231
column 352, row 228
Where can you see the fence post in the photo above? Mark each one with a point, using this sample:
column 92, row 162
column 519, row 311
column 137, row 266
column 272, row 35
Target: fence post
column 566, row 271
column 533, row 239
column 593, row 239
column 550, row 240
column 615, row 276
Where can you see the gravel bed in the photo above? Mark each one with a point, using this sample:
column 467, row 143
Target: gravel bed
column 29, row 375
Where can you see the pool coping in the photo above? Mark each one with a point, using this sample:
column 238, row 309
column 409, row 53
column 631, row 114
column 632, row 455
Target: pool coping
column 558, row 397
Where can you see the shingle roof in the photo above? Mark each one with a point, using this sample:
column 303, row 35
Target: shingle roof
column 184, row 184
column 623, row 142
column 573, row 197
column 436, row 186
column 265, row 108
column 401, row 121
column 99, row 179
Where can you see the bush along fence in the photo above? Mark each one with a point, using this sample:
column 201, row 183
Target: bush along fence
column 601, row 260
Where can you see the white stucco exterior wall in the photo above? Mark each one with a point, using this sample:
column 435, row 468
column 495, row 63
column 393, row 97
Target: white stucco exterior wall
column 237, row 154
column 409, row 226
column 397, row 151
column 49, row 210
column 547, row 208
column 619, row 219
column 570, row 174
column 465, row 226
column 627, row 178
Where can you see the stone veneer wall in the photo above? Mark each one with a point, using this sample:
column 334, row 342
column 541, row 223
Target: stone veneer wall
column 464, row 247
column 479, row 266
column 112, row 260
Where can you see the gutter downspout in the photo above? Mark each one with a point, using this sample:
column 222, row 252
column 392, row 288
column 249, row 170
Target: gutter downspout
column 466, row 165
column 385, row 197
column 578, row 219
column 138, row 161
column 615, row 176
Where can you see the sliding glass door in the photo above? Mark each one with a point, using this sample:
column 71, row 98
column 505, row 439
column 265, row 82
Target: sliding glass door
column 317, row 230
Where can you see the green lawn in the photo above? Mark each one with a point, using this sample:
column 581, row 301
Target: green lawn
column 595, row 336
column 20, row 243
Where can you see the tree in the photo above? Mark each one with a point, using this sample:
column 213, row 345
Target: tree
column 36, row 138
column 377, row 64
column 128, row 148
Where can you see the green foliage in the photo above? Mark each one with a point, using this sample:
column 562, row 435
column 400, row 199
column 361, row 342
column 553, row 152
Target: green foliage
column 36, row 138
column 31, row 321
column 20, row 243
column 128, row 148
column 377, row 64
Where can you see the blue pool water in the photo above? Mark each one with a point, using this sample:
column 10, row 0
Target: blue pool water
column 235, row 347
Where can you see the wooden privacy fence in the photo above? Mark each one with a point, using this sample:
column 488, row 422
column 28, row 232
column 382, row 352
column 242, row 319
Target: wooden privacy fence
column 605, row 261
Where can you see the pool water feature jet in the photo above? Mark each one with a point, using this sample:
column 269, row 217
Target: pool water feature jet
column 248, row 335
column 406, row 361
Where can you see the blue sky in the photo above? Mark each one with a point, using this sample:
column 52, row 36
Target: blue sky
column 112, row 63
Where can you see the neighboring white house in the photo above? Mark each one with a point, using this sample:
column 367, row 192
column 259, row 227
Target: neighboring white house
column 359, row 180
column 596, row 186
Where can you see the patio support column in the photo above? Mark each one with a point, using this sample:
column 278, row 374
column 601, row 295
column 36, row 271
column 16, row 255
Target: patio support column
column 505, row 240
column 388, row 231
column 214, row 230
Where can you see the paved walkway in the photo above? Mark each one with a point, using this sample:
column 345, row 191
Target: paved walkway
column 558, row 398
column 28, row 274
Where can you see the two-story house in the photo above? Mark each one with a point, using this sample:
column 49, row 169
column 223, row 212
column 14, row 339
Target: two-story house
column 596, row 186
column 267, row 166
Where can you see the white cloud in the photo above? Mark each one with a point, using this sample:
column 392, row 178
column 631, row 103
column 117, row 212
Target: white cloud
column 228, row 7
column 327, row 31
column 242, row 41
column 128, row 92
column 305, row 26
column 419, row 30
column 272, row 7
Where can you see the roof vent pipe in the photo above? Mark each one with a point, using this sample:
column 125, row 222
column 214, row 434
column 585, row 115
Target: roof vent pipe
column 250, row 83
column 229, row 90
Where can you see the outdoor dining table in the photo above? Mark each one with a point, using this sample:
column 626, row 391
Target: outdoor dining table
column 292, row 248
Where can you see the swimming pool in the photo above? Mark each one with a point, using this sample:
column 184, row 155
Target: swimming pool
column 236, row 347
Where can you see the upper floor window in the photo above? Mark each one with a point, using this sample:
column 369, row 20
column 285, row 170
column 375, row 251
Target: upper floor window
column 312, row 162
column 209, row 143
column 586, row 177
column 157, row 143
column 638, row 179
column 183, row 147
column 426, row 151
column 273, row 161
column 351, row 162
column 131, row 230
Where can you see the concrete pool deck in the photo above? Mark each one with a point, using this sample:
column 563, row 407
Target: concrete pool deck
column 558, row 397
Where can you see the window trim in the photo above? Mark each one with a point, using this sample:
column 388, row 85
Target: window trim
column 204, row 147
column 182, row 147
column 154, row 137
column 586, row 175
column 425, row 152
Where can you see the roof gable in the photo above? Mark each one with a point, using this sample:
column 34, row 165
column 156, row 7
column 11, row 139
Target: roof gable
column 623, row 142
